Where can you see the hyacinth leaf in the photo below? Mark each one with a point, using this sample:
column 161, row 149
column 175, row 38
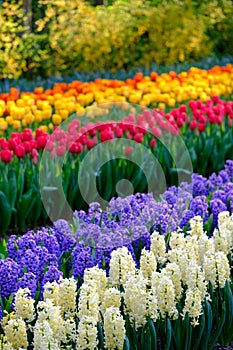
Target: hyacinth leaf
column 141, row 337
column 180, row 332
column 190, row 337
column 126, row 344
column 135, row 337
column 8, row 303
column 176, row 333
column 186, row 328
column 199, row 331
column 215, row 336
column 152, row 334
column 65, row 264
column 6, row 212
column 227, row 330
column 208, row 224
column 208, row 326
column 100, row 335
column 3, row 249
column 37, row 295
column 130, row 332
column 208, row 319
column 168, row 333
column 146, row 344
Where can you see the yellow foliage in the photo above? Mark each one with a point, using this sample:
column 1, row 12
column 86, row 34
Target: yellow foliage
column 76, row 36
column 20, row 50
column 122, row 35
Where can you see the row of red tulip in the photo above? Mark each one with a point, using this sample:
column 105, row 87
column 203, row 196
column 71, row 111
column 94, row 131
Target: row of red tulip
column 79, row 138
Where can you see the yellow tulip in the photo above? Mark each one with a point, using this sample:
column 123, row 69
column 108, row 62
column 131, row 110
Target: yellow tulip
column 3, row 124
column 44, row 128
column 56, row 119
column 16, row 124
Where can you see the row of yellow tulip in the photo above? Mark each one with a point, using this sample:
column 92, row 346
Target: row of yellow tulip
column 50, row 107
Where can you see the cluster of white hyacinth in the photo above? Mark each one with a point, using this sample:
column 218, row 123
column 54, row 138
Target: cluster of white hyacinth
column 152, row 291
column 52, row 319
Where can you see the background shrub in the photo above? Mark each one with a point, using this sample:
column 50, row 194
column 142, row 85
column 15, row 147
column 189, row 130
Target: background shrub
column 59, row 37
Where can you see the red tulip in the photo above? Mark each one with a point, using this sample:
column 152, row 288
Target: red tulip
column 193, row 125
column 6, row 155
column 73, row 126
column 39, row 132
column 153, row 76
column 12, row 143
column 27, row 135
column 20, row 151
column 183, row 108
column 61, row 151
column 141, row 129
column 28, row 147
column 152, row 143
column 50, row 145
column 138, row 137
column 201, row 126
column 128, row 151
column 35, row 156
column 138, row 77
column 118, row 132
column 106, row 135
column 180, row 122
column 156, row 132
column 91, row 142
column 202, row 119
column 76, row 147
column 4, row 144
column 41, row 141
column 215, row 99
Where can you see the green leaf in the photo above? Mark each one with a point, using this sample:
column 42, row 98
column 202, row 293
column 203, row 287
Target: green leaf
column 6, row 212
column 153, row 334
column 200, row 330
column 220, row 323
column 126, row 344
column 12, row 189
column 8, row 303
column 147, row 342
column 227, row 330
column 168, row 334
column 3, row 249
column 24, row 207
column 100, row 335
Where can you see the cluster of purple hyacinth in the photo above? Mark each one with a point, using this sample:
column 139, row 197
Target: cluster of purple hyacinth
column 66, row 249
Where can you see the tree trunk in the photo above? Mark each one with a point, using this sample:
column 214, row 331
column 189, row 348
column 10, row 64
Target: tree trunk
column 27, row 6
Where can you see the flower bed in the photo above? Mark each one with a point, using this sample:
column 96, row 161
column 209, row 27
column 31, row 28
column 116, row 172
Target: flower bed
column 201, row 128
column 51, row 106
column 185, row 289
column 64, row 251
column 151, row 270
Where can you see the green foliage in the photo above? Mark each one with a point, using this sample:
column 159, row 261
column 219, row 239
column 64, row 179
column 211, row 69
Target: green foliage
column 65, row 36
column 21, row 51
